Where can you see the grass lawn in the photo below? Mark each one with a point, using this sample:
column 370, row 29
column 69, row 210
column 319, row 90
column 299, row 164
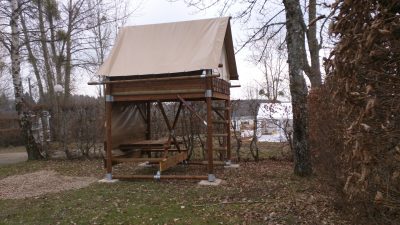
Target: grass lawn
column 257, row 193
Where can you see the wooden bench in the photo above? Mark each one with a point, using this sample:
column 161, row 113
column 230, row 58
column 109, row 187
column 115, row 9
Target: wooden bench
column 160, row 145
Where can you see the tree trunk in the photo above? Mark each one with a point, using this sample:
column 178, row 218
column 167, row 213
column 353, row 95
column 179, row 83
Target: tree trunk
column 295, row 44
column 31, row 58
column 68, row 60
column 25, row 124
column 314, row 72
column 56, row 57
column 253, row 144
column 46, row 55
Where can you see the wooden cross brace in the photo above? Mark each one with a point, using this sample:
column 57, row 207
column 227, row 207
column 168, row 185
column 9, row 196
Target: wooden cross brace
column 171, row 129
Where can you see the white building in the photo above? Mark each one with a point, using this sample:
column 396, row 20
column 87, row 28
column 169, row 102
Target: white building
column 275, row 121
column 244, row 112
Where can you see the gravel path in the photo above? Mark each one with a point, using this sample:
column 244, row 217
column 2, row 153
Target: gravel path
column 12, row 157
column 39, row 183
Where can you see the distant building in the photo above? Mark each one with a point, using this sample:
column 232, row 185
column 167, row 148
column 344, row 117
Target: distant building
column 275, row 121
column 244, row 112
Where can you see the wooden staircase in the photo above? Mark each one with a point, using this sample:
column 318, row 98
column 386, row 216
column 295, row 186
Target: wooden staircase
column 221, row 129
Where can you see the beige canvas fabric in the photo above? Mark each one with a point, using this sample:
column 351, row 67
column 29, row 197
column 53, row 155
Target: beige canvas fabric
column 127, row 124
column 171, row 48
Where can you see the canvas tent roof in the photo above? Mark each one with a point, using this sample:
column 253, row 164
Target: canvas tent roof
column 171, row 48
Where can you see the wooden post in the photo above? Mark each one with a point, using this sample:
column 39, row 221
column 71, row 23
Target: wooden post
column 161, row 107
column 228, row 129
column 148, row 120
column 148, row 124
column 208, row 96
column 161, row 177
column 108, row 146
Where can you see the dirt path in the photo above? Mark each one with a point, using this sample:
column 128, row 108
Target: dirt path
column 39, row 183
column 12, row 157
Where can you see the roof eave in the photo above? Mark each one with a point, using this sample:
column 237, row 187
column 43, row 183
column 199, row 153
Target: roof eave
column 230, row 52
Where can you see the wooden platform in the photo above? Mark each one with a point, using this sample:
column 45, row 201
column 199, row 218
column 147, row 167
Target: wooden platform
column 145, row 144
column 148, row 145
column 160, row 145
column 189, row 87
column 202, row 86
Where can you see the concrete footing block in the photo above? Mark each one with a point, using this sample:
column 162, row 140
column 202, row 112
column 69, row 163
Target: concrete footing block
column 208, row 183
column 108, row 181
column 232, row 166
column 144, row 164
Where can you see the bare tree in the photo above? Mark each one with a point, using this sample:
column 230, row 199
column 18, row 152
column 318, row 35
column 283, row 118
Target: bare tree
column 32, row 58
column 108, row 16
column 268, row 26
column 273, row 65
column 4, row 86
column 235, row 105
column 295, row 44
column 60, row 37
column 14, row 48
column 278, row 115
column 49, row 75
column 254, row 99
column 56, row 39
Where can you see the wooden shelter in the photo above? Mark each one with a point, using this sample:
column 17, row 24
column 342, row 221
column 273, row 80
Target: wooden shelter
column 171, row 62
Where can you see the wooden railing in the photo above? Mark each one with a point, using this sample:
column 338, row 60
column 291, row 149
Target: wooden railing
column 221, row 86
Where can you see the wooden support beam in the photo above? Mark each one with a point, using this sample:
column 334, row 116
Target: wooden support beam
column 216, row 163
column 161, row 177
column 220, row 114
column 177, row 115
column 121, row 160
column 159, row 92
column 162, row 150
column 108, row 144
column 228, row 129
column 210, row 153
column 148, row 120
column 150, row 79
column 186, row 104
column 161, row 107
column 220, row 121
column 174, row 125
column 142, row 114
column 173, row 161
column 163, row 97
column 170, row 128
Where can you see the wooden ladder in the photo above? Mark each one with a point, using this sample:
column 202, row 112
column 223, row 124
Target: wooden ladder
column 221, row 129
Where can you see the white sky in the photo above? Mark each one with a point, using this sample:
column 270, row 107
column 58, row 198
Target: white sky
column 162, row 11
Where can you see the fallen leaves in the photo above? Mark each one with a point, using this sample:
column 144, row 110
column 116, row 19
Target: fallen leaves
column 256, row 193
column 40, row 183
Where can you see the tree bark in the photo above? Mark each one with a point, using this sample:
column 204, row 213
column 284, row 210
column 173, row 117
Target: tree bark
column 314, row 72
column 295, row 44
column 25, row 124
column 46, row 55
column 31, row 58
column 68, row 60
column 56, row 57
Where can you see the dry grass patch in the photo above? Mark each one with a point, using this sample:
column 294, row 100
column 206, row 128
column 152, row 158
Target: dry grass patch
column 40, row 183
